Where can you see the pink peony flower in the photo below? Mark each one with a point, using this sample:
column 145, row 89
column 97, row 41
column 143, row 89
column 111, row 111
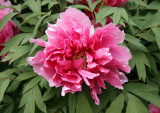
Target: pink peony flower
column 75, row 54
column 153, row 109
column 10, row 29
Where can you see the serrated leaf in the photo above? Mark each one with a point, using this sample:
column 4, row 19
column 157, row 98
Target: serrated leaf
column 49, row 94
column 34, row 5
column 32, row 83
column 93, row 5
column 140, row 2
column 3, row 86
column 33, row 15
column 17, row 7
column 144, row 91
column 16, row 52
column 25, row 76
column 85, row 107
column 116, row 16
column 6, row 19
column 39, row 100
column 135, row 42
column 80, row 6
column 14, row 41
column 9, row 109
column 156, row 32
column 37, row 25
column 150, row 22
column 118, row 103
column 32, row 97
column 135, row 105
column 72, row 102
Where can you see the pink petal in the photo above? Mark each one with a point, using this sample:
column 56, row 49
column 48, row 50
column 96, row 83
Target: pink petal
column 77, row 15
column 78, row 63
column 121, row 56
column 70, row 88
column 153, row 109
column 103, row 56
column 38, row 42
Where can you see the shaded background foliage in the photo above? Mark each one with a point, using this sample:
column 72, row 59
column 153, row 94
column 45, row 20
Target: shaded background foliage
column 23, row 91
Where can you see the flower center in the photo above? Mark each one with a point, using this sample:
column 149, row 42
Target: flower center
column 81, row 56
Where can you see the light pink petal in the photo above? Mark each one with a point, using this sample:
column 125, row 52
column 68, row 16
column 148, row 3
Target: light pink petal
column 122, row 77
column 94, row 96
column 103, row 70
column 71, row 77
column 70, row 88
column 38, row 42
column 92, row 65
column 114, row 80
column 103, row 56
column 88, row 74
column 121, row 56
column 77, row 15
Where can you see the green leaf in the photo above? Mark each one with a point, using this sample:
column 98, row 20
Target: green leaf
column 104, row 99
column 32, row 97
column 140, row 2
column 118, row 103
column 39, row 100
column 71, row 1
column 17, row 7
column 9, row 109
column 32, row 83
column 150, row 22
column 37, row 25
column 3, row 6
column 141, row 70
column 72, row 102
column 144, row 91
column 49, row 94
column 16, row 52
column 3, row 86
column 6, row 19
column 92, row 6
column 135, row 105
column 10, row 44
column 135, row 42
column 156, row 32
column 34, row 5
column 83, row 105
column 80, row 6
column 26, row 75
column 33, row 15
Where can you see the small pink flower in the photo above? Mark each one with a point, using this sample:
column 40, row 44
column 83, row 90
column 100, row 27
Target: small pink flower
column 10, row 29
column 153, row 109
column 76, row 54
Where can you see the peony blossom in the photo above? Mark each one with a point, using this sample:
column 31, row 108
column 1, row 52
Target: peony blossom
column 153, row 109
column 76, row 54
column 10, row 29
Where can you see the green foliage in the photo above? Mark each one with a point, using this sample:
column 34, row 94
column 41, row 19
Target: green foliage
column 23, row 91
